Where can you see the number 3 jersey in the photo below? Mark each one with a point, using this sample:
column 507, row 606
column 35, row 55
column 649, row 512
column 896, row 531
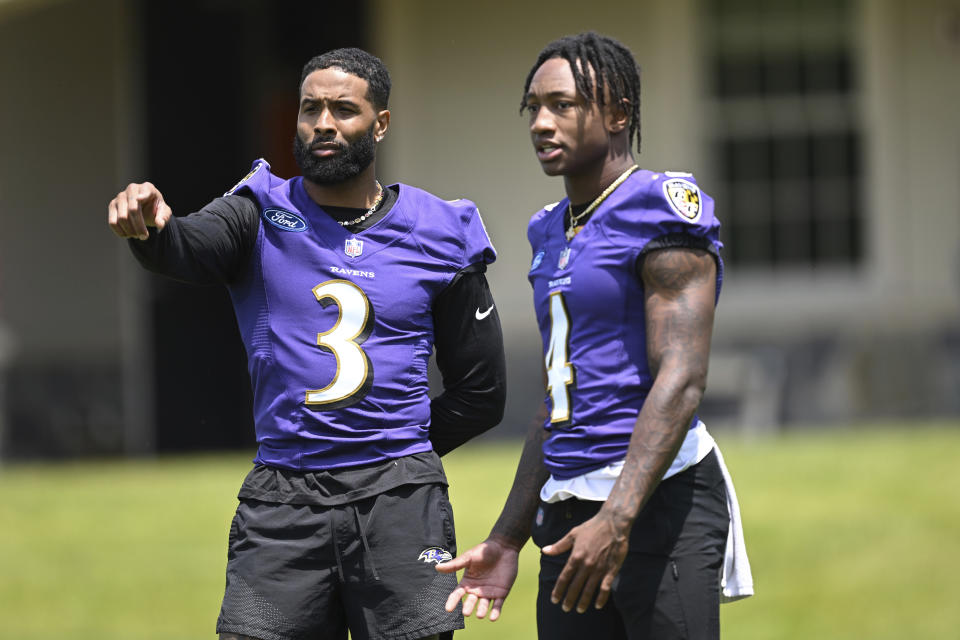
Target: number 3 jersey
column 338, row 326
column 589, row 301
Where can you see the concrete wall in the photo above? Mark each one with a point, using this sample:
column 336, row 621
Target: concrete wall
column 828, row 344
column 458, row 72
column 66, row 126
column 880, row 340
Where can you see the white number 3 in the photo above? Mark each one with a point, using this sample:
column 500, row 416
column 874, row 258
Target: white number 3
column 354, row 375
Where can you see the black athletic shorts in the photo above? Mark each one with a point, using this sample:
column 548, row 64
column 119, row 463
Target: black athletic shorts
column 298, row 572
column 669, row 585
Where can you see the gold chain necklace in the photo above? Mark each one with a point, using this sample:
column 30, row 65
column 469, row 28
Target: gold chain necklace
column 575, row 225
column 376, row 203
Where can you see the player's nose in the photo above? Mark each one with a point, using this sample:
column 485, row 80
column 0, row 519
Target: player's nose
column 542, row 122
column 325, row 122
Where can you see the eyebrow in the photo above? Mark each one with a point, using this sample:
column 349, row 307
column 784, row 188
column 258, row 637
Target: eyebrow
column 558, row 93
column 347, row 101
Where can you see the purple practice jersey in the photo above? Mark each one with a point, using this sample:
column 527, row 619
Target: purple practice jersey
column 338, row 326
column 589, row 302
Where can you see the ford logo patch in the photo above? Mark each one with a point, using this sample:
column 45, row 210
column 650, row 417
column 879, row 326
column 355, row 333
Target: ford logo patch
column 285, row 220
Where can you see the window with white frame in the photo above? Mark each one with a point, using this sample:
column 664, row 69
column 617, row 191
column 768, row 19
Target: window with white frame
column 785, row 134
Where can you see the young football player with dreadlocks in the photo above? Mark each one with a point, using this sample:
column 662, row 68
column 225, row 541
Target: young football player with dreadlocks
column 620, row 485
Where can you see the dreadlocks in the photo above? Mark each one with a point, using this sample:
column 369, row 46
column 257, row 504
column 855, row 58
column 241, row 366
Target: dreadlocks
column 614, row 69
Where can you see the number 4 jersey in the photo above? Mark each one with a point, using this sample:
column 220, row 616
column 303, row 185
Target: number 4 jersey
column 589, row 303
column 338, row 326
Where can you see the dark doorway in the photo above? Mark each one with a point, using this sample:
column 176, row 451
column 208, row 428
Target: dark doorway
column 220, row 89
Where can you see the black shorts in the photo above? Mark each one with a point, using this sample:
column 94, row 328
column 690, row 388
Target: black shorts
column 313, row 572
column 669, row 585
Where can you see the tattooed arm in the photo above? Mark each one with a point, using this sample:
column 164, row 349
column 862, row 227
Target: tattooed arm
column 491, row 566
column 679, row 293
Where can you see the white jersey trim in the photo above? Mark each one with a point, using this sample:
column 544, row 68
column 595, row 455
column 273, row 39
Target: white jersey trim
column 597, row 485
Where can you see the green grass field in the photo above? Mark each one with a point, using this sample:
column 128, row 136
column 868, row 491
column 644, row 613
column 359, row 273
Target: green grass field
column 851, row 534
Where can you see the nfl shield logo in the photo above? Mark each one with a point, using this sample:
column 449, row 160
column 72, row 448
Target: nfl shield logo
column 564, row 259
column 353, row 248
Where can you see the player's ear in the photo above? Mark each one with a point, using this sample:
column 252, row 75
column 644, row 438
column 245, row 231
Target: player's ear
column 618, row 116
column 381, row 125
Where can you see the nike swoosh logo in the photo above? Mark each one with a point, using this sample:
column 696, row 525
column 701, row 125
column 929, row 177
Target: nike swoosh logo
column 483, row 314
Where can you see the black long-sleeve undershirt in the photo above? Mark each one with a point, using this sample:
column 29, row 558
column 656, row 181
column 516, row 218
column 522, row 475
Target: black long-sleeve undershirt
column 214, row 245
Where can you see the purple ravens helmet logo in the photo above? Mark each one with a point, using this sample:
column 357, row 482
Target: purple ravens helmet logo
column 435, row 555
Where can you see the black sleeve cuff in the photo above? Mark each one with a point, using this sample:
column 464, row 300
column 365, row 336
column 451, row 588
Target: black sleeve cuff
column 675, row 241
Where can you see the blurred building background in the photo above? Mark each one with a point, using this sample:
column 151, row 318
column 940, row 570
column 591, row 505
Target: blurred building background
column 827, row 130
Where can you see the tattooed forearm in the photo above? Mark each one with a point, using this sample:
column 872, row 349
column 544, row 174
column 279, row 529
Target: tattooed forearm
column 657, row 436
column 680, row 288
column 513, row 525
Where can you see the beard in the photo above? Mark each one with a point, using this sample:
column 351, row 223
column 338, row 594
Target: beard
column 353, row 158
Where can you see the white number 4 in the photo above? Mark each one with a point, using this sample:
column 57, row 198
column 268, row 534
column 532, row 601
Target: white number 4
column 559, row 370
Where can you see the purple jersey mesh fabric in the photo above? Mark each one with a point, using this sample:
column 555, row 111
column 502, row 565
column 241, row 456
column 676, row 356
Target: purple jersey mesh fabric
column 338, row 326
column 589, row 303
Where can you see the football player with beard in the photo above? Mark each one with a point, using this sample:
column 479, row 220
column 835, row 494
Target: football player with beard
column 342, row 288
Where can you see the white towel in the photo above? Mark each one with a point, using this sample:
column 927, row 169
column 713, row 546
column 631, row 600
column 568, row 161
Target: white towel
column 736, row 580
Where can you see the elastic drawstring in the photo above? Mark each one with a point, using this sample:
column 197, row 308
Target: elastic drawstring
column 366, row 545
column 336, row 545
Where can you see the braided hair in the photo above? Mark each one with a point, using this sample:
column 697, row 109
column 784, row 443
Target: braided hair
column 614, row 66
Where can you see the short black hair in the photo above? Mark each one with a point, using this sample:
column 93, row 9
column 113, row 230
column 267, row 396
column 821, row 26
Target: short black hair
column 359, row 63
column 614, row 68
